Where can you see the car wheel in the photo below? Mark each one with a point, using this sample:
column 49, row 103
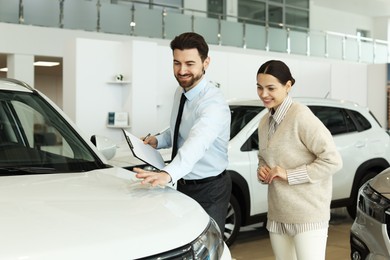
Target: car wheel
column 351, row 209
column 233, row 221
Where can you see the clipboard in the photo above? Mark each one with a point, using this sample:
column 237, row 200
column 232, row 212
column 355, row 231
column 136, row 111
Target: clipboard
column 144, row 152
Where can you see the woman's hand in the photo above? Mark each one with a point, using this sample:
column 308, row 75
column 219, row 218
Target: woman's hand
column 262, row 173
column 267, row 175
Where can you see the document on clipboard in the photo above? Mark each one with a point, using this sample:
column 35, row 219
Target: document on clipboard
column 144, row 152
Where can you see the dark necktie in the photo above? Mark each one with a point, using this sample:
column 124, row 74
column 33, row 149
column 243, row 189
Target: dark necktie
column 177, row 125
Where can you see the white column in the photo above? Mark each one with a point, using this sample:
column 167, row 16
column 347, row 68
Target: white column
column 21, row 67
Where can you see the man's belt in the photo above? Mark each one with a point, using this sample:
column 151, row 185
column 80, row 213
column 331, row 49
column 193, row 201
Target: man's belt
column 200, row 181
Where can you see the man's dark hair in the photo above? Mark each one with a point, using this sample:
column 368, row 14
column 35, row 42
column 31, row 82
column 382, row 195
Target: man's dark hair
column 191, row 40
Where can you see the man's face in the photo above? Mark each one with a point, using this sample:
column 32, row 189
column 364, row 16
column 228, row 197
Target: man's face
column 188, row 67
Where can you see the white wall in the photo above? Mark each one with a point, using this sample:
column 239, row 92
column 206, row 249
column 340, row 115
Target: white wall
column 51, row 86
column 97, row 62
column 326, row 19
column 380, row 28
column 376, row 92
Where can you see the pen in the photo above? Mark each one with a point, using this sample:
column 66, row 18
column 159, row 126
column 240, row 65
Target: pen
column 146, row 137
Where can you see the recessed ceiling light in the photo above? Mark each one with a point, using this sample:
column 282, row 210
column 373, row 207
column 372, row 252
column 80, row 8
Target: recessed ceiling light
column 38, row 63
column 46, row 63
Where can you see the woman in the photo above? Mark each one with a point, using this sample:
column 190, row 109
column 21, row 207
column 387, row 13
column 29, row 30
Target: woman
column 297, row 158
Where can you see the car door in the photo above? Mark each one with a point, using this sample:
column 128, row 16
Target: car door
column 348, row 143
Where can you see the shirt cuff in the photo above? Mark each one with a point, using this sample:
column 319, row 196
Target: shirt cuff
column 297, row 176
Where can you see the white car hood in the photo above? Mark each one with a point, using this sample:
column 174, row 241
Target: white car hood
column 102, row 214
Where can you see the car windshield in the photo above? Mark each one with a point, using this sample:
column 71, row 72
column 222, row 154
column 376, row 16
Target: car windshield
column 241, row 115
column 35, row 138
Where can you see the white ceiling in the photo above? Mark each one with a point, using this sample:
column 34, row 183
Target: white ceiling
column 372, row 8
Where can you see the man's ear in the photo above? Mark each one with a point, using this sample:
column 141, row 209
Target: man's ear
column 206, row 63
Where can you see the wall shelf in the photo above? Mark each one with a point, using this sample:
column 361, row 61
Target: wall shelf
column 119, row 126
column 118, row 82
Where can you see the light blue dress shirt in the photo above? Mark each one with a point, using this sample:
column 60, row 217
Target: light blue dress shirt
column 204, row 133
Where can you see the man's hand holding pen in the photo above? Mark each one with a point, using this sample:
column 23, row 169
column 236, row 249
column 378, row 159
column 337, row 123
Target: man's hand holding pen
column 150, row 140
column 146, row 137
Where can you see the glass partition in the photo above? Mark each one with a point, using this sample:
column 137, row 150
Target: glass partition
column 232, row 33
column 367, row 54
column 317, row 45
column 159, row 20
column 148, row 22
column 50, row 19
column 121, row 23
column 298, row 42
column 176, row 24
column 381, row 53
column 255, row 37
column 277, row 39
column 80, row 16
column 351, row 49
column 9, row 11
column 334, row 47
column 208, row 28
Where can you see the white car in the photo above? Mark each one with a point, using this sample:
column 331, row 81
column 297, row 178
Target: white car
column 61, row 200
column 364, row 146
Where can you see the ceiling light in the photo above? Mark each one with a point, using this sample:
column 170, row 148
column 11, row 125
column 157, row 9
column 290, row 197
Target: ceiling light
column 46, row 63
column 38, row 63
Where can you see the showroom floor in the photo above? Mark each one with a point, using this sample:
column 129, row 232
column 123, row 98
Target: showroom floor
column 253, row 243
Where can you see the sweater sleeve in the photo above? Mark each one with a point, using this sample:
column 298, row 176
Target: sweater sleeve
column 262, row 128
column 319, row 141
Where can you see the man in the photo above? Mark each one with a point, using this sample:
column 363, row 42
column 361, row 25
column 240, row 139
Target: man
column 199, row 166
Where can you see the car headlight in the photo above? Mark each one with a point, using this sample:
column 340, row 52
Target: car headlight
column 209, row 245
column 374, row 204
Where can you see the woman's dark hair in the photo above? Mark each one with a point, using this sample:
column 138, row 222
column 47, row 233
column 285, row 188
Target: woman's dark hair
column 278, row 69
column 191, row 40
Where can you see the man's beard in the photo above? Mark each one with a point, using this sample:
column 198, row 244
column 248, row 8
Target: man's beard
column 188, row 82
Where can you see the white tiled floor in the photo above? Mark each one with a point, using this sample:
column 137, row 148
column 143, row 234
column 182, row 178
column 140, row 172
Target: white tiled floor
column 254, row 243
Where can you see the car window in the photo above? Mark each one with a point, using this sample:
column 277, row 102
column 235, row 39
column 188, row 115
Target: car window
column 337, row 120
column 241, row 116
column 363, row 122
column 33, row 134
column 252, row 144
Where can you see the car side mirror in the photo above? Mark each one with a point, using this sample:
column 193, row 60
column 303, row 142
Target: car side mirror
column 104, row 145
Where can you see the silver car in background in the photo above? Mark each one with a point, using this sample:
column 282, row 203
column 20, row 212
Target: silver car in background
column 370, row 231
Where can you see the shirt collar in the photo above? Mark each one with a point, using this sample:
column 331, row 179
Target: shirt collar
column 196, row 90
column 281, row 111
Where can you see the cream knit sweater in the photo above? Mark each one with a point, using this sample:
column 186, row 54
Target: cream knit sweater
column 300, row 141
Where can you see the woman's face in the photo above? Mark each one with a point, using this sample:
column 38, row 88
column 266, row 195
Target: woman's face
column 271, row 91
